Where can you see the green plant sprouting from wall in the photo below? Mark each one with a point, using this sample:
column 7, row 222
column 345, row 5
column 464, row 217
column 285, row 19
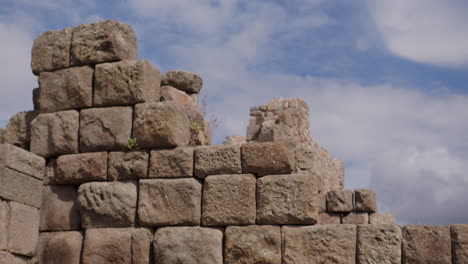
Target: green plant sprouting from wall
column 132, row 145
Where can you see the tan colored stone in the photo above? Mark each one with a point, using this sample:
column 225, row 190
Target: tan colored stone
column 459, row 243
column 8, row 258
column 103, row 41
column 267, row 158
column 22, row 229
column 169, row 93
column 55, row 134
column 427, row 245
column 18, row 130
column 59, row 210
column 185, row 81
column 287, row 199
column 217, row 160
column 4, row 217
column 382, row 219
column 379, row 244
column 21, row 160
column 19, row 187
column 174, row 163
column 107, row 204
column 328, row 219
column 356, row 218
column 365, row 201
column 60, row 247
column 252, row 244
column 1, row 135
column 80, row 168
column 128, row 165
column 229, row 200
column 51, row 51
column 50, row 172
column 340, row 201
column 173, row 245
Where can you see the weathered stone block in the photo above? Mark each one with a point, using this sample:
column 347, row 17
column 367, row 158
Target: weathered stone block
column 103, row 41
column 21, row 160
column 18, row 130
column 126, row 83
column 59, row 210
column 287, row 199
column 50, row 172
column 229, row 200
column 55, row 134
column 19, row 187
column 379, row 244
column 105, row 128
column 80, row 168
column 117, row 245
column 107, row 204
column 426, row 245
column 459, row 243
column 328, row 219
column 382, row 219
column 186, row 81
column 51, row 51
column 22, row 228
column 128, row 165
column 166, row 202
column 174, row 163
column 169, row 93
column 252, row 244
column 174, row 245
column 9, row 258
column 4, row 217
column 365, row 200
column 267, row 158
column 319, row 244
column 340, row 201
column 60, row 247
column 161, row 125
column 356, row 218
column 2, row 131
column 216, row 160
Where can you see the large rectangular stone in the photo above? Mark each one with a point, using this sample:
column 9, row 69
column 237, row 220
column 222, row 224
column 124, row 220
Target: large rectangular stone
column 379, row 244
column 128, row 165
column 51, row 51
column 174, row 163
column 20, row 187
column 80, row 168
column 268, row 158
column 355, row 218
column 185, row 81
column 8, row 258
column 460, row 243
column 4, row 215
column 427, row 245
column 328, row 219
column 365, row 201
column 60, row 247
column 340, row 201
column 59, row 210
column 217, row 160
column 21, row 160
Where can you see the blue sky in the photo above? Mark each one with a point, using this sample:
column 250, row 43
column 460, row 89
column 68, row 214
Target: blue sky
column 386, row 81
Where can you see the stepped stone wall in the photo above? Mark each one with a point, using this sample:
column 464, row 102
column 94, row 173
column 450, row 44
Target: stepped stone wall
column 121, row 171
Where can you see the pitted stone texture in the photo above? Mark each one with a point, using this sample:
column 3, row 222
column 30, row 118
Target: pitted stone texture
column 22, row 228
column 252, row 244
column 197, row 245
column 51, row 51
column 460, row 243
column 126, row 83
column 165, row 202
column 267, row 158
column 80, row 168
column 107, row 204
column 328, row 219
column 9, row 258
column 50, row 172
column 234, row 140
column 217, row 160
column 21, row 160
column 174, row 163
column 104, row 41
column 340, row 201
column 379, row 244
column 117, row 245
column 128, row 165
column 356, row 218
column 382, row 219
column 18, row 130
column 229, row 200
column 55, row 134
column 365, row 200
column 66, row 89
column 59, row 210
column 105, row 128
column 161, row 125
column 19, row 187
column 169, row 93
column 287, row 199
column 319, row 244
column 60, row 247
column 4, row 217
column 426, row 245
column 186, row 81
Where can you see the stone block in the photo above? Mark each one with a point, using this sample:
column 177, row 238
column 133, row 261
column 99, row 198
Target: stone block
column 22, row 229
column 59, row 210
column 252, row 244
column 18, row 130
column 319, row 244
column 427, row 245
column 328, row 219
column 365, row 201
column 167, row 202
column 55, row 134
column 50, row 172
column 234, row 140
column 379, row 244
column 185, row 81
column 216, row 160
column 60, row 247
column 356, row 218
column 267, row 158
column 21, row 160
column 19, row 187
column 340, row 201
column 459, row 243
column 161, row 125
column 169, row 93
column 382, row 219
column 51, row 51
column 117, row 245
column 8, row 258
column 128, row 165
column 229, row 200
column 80, row 168
column 103, row 41
column 105, row 128
column 174, row 163
column 107, row 204
column 287, row 199
column 2, row 131
column 173, row 245
column 4, row 217
column 126, row 83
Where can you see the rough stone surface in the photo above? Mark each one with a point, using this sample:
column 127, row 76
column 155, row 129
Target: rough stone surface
column 51, row 51
column 161, row 125
column 55, row 134
column 356, row 218
column 379, row 244
column 50, row 172
column 107, row 204
column 2, row 131
column 59, row 210
column 9, row 258
column 319, row 244
column 18, row 130
column 80, row 168
column 22, row 229
column 229, row 200
column 382, row 219
column 328, row 219
column 4, row 217
column 21, row 160
column 197, row 245
column 128, row 165
column 340, row 201
column 117, row 245
column 186, row 81
column 174, row 163
column 103, row 41
column 105, row 128
column 234, row 140
column 216, row 160
column 365, row 200
column 287, row 199
column 460, row 243
column 66, row 89
column 169, row 93
column 60, row 247
column 252, row 244
column 267, row 158
column 126, row 83
column 165, row 202
column 426, row 245
column 19, row 187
